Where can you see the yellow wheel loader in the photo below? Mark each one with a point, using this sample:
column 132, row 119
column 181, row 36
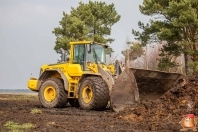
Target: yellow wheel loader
column 84, row 80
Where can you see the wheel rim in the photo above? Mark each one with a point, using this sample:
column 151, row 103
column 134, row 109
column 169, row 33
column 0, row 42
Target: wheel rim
column 49, row 93
column 87, row 94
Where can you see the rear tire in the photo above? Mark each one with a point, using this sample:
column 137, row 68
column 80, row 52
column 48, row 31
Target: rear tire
column 52, row 93
column 93, row 94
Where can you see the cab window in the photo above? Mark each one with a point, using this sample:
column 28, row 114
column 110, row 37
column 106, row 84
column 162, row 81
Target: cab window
column 79, row 54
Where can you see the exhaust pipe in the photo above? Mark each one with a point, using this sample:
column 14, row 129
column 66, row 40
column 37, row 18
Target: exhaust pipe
column 62, row 55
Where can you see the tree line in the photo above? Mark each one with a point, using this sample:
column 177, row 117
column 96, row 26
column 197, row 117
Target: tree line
column 173, row 26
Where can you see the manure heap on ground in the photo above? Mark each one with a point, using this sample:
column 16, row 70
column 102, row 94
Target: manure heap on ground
column 166, row 112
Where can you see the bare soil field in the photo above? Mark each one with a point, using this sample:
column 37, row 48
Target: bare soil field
column 21, row 113
column 27, row 109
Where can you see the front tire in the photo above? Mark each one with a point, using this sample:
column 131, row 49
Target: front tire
column 52, row 93
column 93, row 94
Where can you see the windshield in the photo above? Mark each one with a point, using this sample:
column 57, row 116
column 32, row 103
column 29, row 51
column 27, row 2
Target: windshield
column 97, row 55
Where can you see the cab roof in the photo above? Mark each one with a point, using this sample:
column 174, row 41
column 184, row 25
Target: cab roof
column 88, row 42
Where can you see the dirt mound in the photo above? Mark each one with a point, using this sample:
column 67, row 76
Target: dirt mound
column 166, row 112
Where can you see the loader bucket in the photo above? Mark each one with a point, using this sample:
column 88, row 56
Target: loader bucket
column 125, row 91
column 134, row 84
column 152, row 84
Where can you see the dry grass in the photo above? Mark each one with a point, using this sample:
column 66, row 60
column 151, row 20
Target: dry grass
column 36, row 111
column 16, row 127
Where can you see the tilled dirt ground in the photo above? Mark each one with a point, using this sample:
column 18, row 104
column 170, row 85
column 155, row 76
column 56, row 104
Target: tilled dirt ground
column 163, row 114
column 17, row 108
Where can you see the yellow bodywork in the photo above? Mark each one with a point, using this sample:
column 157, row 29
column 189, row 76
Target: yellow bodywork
column 74, row 70
column 32, row 84
column 111, row 68
column 71, row 72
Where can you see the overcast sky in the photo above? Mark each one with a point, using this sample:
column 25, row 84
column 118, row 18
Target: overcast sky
column 27, row 42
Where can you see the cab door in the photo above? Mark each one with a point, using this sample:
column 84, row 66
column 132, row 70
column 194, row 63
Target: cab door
column 79, row 55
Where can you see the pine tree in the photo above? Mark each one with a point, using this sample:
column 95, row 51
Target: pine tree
column 89, row 21
column 173, row 21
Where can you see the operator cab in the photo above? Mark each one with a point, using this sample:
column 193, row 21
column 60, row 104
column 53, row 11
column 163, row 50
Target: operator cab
column 88, row 53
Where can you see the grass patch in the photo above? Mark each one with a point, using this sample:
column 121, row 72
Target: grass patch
column 16, row 127
column 36, row 111
column 18, row 97
column 24, row 97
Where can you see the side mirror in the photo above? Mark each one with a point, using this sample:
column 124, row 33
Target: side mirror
column 89, row 48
